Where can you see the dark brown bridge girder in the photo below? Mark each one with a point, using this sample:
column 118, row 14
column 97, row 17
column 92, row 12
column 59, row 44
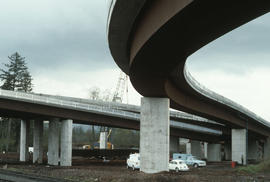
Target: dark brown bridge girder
column 166, row 32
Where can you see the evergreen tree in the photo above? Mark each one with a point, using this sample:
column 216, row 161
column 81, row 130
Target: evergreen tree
column 15, row 77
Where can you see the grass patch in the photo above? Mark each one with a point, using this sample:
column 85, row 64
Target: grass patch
column 261, row 167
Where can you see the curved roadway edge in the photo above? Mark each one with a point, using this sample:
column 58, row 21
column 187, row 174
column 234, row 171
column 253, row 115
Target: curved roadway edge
column 151, row 41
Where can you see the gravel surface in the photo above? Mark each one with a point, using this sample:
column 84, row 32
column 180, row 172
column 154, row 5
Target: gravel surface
column 90, row 170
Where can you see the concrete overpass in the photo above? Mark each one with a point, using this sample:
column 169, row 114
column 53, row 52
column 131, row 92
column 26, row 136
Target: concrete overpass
column 68, row 110
column 151, row 41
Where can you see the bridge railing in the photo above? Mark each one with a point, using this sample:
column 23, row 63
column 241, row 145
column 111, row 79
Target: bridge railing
column 67, row 104
column 221, row 99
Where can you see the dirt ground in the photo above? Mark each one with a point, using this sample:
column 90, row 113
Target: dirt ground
column 90, row 170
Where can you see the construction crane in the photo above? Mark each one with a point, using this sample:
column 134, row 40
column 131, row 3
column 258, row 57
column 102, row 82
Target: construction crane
column 121, row 88
column 120, row 92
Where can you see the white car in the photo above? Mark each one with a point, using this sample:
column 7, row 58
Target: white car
column 133, row 161
column 178, row 165
column 193, row 161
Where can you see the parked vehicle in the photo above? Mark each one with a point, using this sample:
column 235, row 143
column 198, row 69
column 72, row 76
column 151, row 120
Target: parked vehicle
column 178, row 165
column 133, row 161
column 193, row 161
column 189, row 159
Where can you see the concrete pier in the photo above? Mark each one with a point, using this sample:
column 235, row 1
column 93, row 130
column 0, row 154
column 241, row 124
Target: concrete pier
column 266, row 150
column 38, row 142
column 154, row 135
column 214, row 152
column 253, row 153
column 195, row 149
column 174, row 145
column 103, row 140
column 205, row 149
column 228, row 151
column 239, row 146
column 24, row 140
column 53, row 142
column 66, row 143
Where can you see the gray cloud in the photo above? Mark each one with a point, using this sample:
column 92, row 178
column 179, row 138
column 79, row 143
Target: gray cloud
column 56, row 34
column 238, row 51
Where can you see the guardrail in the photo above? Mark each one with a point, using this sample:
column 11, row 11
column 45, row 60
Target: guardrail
column 219, row 98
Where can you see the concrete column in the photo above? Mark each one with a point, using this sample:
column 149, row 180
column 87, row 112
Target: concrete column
column 174, row 145
column 253, row 153
column 266, row 152
column 214, row 152
column 154, row 135
column 228, row 151
column 66, row 143
column 205, row 146
column 103, row 140
column 183, row 145
column 24, row 140
column 239, row 144
column 38, row 142
column 53, row 142
column 196, row 148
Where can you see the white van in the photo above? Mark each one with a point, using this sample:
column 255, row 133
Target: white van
column 133, row 161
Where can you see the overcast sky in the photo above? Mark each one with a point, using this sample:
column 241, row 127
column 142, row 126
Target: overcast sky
column 65, row 45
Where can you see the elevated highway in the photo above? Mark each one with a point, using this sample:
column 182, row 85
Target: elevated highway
column 84, row 111
column 151, row 41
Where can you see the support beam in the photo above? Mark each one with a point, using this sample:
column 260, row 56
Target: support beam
column 53, row 142
column 239, row 146
column 103, row 140
column 24, row 140
column 66, row 143
column 214, row 152
column 154, row 135
column 38, row 142
column 174, row 145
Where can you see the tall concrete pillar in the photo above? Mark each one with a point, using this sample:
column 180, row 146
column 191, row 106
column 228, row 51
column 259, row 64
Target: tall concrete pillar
column 253, row 153
column 239, row 146
column 266, row 152
column 183, row 145
column 196, row 149
column 66, row 143
column 205, row 147
column 214, row 152
column 174, row 145
column 53, row 142
column 154, row 135
column 228, row 151
column 38, row 142
column 24, row 140
column 103, row 140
